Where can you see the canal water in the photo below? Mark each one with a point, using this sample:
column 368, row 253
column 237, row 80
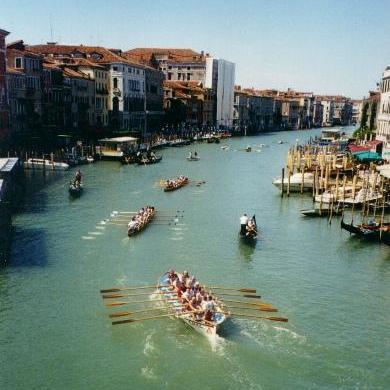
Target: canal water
column 55, row 332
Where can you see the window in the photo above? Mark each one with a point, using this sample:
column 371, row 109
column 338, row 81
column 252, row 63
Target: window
column 114, row 68
column 18, row 62
column 115, row 82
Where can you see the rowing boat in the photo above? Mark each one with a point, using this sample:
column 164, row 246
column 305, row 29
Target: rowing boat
column 209, row 329
column 178, row 183
column 75, row 189
column 373, row 232
column 134, row 231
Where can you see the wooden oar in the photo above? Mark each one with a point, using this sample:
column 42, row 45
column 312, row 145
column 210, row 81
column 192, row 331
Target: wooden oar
column 129, row 313
column 150, row 318
column 280, row 319
column 121, row 303
column 136, row 295
column 115, row 289
column 269, row 309
column 248, row 303
column 248, row 290
column 235, row 295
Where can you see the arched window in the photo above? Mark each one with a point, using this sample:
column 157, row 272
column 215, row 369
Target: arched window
column 115, row 104
column 115, row 82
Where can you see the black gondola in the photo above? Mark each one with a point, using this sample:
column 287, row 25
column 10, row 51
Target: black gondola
column 75, row 189
column 249, row 235
column 372, row 232
column 149, row 160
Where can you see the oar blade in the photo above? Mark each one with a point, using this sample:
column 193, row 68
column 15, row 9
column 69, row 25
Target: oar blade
column 109, row 290
column 116, row 304
column 122, row 322
column 247, row 290
column 280, row 319
column 120, row 314
column 109, row 296
column 251, row 296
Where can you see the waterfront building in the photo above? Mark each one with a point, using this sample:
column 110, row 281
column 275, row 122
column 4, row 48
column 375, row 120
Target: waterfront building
column 241, row 110
column 24, row 75
column 370, row 108
column 220, row 77
column 208, row 108
column 82, row 104
column 4, row 104
column 176, row 64
column 53, row 105
column 383, row 120
column 318, row 112
column 327, row 112
column 126, row 82
column 290, row 113
column 357, row 106
column 183, row 103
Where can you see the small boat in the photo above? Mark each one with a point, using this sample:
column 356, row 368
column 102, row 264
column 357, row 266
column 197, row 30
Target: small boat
column 131, row 231
column 248, row 149
column 280, row 142
column 224, row 147
column 149, row 160
column 193, row 157
column 90, row 160
column 179, row 142
column 250, row 235
column 323, row 212
column 40, row 163
column 75, row 189
column 373, row 231
column 209, row 329
column 296, row 182
column 176, row 183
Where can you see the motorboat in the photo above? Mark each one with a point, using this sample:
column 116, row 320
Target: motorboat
column 40, row 163
column 296, row 182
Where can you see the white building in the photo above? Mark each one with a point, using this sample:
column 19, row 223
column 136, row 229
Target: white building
column 327, row 112
column 383, row 120
column 220, row 77
column 126, row 95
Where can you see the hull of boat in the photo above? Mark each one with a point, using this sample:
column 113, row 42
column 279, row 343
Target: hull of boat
column 170, row 189
column 75, row 191
column 48, row 165
column 193, row 158
column 209, row 331
column 131, row 233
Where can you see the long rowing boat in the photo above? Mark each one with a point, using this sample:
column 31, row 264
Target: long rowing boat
column 207, row 328
column 176, row 184
column 131, row 231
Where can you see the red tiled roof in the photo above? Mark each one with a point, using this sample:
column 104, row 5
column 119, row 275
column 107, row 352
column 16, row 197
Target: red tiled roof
column 107, row 56
column 145, row 55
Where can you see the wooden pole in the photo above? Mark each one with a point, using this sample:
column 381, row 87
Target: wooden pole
column 288, row 182
column 282, row 181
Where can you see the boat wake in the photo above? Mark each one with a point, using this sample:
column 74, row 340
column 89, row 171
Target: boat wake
column 149, row 347
column 95, row 233
column 88, row 237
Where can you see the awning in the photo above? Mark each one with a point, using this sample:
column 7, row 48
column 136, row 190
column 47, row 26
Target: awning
column 367, row 156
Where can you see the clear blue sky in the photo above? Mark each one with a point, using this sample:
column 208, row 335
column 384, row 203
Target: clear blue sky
column 327, row 46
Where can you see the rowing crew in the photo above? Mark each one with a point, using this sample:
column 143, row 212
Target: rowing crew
column 143, row 216
column 193, row 297
column 172, row 183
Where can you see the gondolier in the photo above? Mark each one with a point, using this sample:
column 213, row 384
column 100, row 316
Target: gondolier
column 243, row 222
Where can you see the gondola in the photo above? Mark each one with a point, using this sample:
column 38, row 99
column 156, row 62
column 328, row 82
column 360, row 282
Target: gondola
column 316, row 212
column 75, row 189
column 250, row 236
column 134, row 231
column 149, row 161
column 193, row 158
column 179, row 182
column 373, row 232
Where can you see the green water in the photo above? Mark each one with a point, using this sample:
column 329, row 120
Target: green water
column 54, row 329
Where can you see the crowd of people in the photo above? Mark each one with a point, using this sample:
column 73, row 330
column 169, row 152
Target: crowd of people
column 192, row 295
column 143, row 216
column 176, row 183
column 248, row 226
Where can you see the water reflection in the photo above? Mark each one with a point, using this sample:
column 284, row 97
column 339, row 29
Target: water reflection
column 246, row 248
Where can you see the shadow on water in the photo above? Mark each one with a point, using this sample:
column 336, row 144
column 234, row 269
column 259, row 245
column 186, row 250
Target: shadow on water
column 28, row 248
column 246, row 248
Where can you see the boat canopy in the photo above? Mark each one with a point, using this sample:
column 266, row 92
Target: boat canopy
column 367, row 156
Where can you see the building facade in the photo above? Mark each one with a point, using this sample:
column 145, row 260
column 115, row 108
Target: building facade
column 4, row 104
column 220, row 77
column 383, row 121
